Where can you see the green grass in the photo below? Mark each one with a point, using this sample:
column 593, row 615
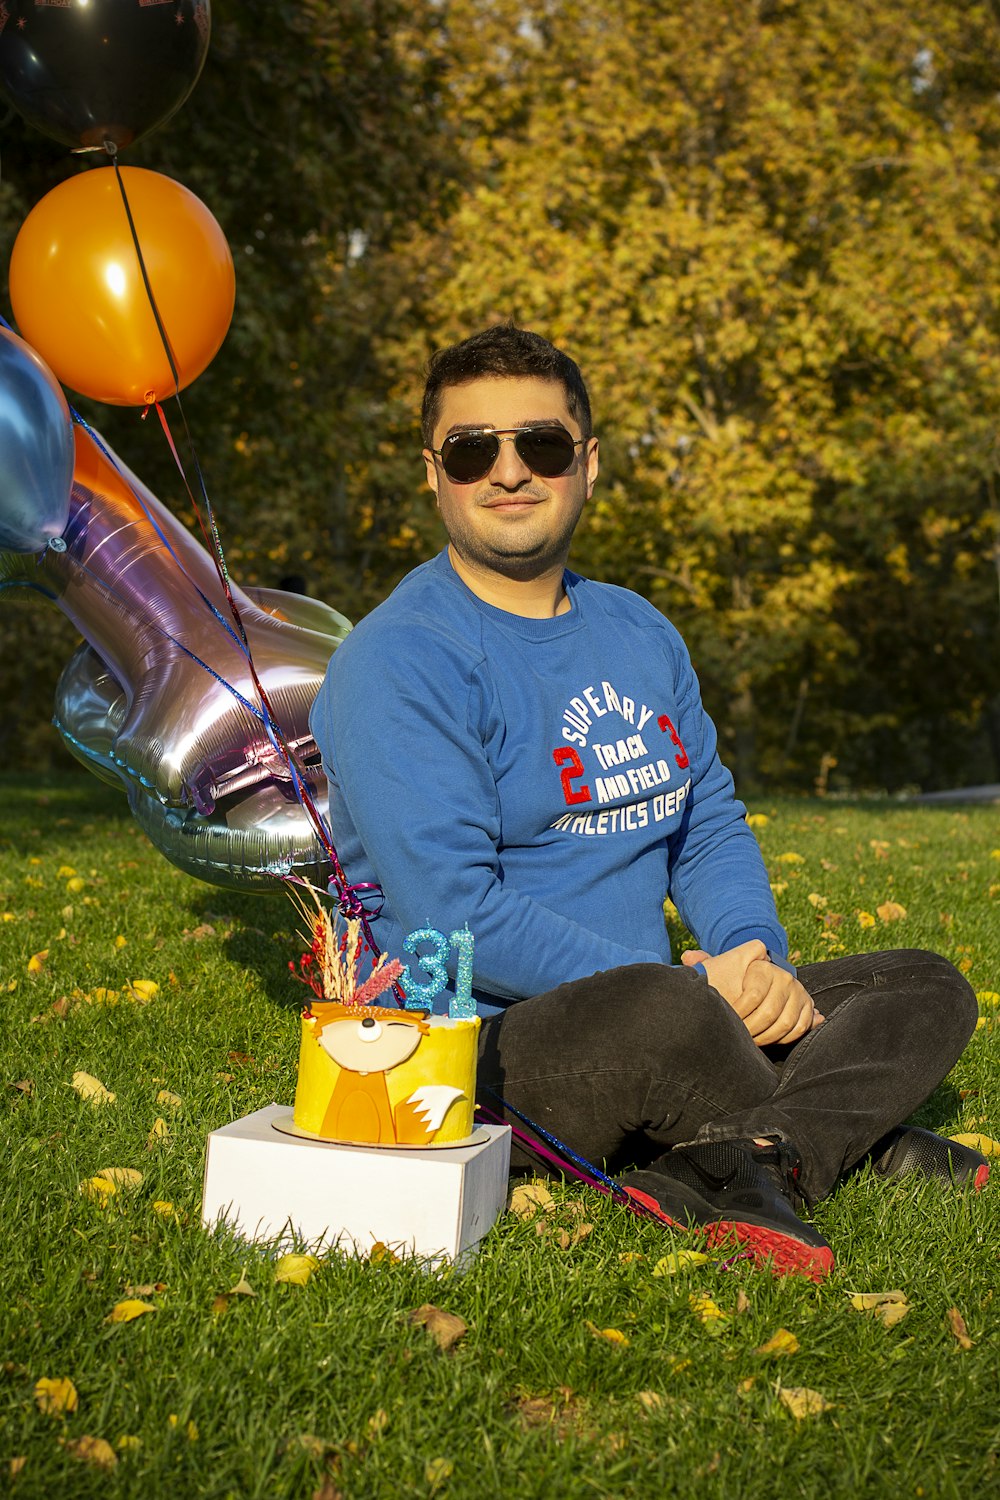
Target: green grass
column 911, row 1411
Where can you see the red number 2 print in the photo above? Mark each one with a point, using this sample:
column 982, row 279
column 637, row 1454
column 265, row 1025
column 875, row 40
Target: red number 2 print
column 567, row 757
column 675, row 739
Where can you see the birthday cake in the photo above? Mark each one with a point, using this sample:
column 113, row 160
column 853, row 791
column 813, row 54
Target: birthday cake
column 385, row 1077
column 384, row 1074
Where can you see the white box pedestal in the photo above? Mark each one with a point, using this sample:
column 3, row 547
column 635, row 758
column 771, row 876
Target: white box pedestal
column 434, row 1204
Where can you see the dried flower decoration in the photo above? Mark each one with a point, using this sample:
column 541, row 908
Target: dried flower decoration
column 336, row 948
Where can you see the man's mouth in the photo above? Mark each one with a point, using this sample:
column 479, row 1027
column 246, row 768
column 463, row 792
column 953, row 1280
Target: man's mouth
column 512, row 502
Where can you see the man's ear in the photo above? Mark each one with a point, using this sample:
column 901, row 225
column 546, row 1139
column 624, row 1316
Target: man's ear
column 431, row 470
column 593, row 465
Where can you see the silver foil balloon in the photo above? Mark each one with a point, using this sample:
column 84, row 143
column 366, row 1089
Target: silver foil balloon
column 36, row 449
column 161, row 698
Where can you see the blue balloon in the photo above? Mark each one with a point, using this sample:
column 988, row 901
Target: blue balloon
column 36, row 449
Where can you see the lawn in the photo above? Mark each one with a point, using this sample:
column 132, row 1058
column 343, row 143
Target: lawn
column 594, row 1369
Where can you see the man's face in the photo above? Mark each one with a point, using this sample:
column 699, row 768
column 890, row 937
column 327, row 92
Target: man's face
column 512, row 522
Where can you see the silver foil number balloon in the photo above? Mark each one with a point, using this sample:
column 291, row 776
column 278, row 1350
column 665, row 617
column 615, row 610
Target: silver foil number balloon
column 161, row 698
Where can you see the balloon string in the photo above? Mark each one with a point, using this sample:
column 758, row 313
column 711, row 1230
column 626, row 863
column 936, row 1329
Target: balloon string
column 112, row 151
column 346, row 897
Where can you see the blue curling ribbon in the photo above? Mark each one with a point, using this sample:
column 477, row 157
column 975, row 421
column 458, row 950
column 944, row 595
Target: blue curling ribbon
column 614, row 1188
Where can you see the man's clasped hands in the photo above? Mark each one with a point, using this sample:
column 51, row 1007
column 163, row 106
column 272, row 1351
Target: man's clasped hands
column 771, row 1003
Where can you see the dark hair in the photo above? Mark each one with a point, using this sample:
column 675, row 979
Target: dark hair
column 496, row 352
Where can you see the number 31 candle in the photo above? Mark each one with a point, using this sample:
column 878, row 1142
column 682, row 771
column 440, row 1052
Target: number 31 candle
column 419, row 995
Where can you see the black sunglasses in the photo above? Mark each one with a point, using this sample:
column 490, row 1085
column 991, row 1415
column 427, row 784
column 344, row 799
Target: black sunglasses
column 468, row 456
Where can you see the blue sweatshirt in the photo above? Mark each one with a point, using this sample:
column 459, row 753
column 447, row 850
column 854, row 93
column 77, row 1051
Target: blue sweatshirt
column 545, row 782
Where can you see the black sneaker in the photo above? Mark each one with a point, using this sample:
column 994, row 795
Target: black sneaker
column 720, row 1190
column 912, row 1150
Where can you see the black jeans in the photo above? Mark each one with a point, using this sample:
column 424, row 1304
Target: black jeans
column 632, row 1061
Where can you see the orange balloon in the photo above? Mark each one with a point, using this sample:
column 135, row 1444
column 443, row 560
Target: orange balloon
column 78, row 294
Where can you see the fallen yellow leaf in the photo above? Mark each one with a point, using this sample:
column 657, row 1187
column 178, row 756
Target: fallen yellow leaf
column 705, row 1310
column 97, row 1189
column 782, row 1342
column 669, row 1265
column 100, row 996
column 445, row 1328
column 610, row 1335
column 55, row 1396
column 127, row 1443
column 378, row 1422
column 122, row 1177
column 865, row 919
column 159, row 1132
column 816, row 900
column 650, row 1400
column 295, row 1269
column 92, row 1450
column 242, row 1288
column 791, row 858
column 92, row 1089
column 76, row 885
column 803, row 1402
column 65, row 872
column 757, row 820
column 988, row 997
column 381, row 1252
column 142, row 990
column 36, row 963
column 120, row 942
column 957, row 1325
column 529, row 1198
column 889, row 1308
column 129, row 1310
column 983, row 1143
column 163, row 1207
column 169, row 1100
column 891, row 911
column 437, row 1470
column 190, row 1427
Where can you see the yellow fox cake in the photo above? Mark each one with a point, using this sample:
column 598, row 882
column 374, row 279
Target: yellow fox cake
column 382, row 1075
column 385, row 1076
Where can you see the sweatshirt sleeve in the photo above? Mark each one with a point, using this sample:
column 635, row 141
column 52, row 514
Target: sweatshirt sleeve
column 718, row 880
column 403, row 744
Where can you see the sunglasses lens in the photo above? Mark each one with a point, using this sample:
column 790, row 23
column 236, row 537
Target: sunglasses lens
column 469, row 456
column 547, row 451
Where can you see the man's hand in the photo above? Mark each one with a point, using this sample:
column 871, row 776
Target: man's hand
column 771, row 1003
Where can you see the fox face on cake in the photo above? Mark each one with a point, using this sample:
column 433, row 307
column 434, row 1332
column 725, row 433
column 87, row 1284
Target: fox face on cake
column 372, row 1074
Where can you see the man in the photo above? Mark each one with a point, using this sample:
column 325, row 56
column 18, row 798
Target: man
column 516, row 748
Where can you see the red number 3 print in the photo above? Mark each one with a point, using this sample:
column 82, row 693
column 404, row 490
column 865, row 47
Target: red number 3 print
column 564, row 756
column 675, row 739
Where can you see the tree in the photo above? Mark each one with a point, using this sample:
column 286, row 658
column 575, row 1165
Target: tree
column 767, row 231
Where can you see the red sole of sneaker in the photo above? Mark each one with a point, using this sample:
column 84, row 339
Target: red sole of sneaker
column 785, row 1256
column 650, row 1203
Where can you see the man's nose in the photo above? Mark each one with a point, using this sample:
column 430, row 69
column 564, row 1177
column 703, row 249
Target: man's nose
column 509, row 470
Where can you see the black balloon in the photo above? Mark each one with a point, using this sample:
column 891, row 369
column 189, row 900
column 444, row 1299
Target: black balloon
column 87, row 71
